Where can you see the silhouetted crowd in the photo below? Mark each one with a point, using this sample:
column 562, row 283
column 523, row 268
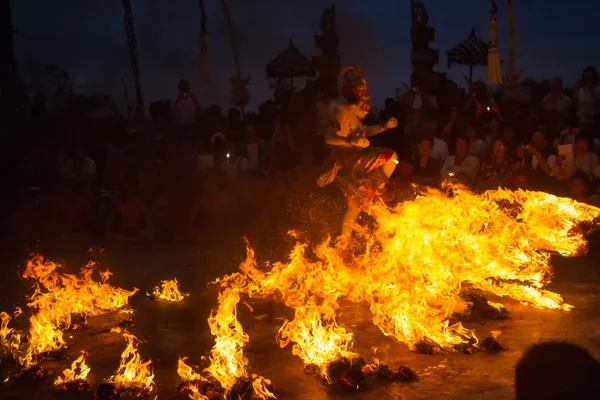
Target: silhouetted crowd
column 194, row 172
column 532, row 141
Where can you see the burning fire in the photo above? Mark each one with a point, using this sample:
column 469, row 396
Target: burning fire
column 416, row 262
column 133, row 373
column 10, row 340
column 72, row 374
column 168, row 290
column 228, row 364
column 57, row 298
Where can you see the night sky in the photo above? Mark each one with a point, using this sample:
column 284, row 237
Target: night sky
column 87, row 39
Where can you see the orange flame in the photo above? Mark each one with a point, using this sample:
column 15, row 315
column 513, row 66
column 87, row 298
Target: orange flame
column 10, row 340
column 186, row 372
column 59, row 296
column 228, row 362
column 72, row 374
column 133, row 373
column 416, row 261
column 168, row 290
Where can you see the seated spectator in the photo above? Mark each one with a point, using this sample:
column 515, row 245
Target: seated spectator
column 556, row 103
column 567, row 136
column 497, row 170
column 533, row 158
column 477, row 147
column 426, row 168
column 231, row 165
column 129, row 221
column 453, row 129
column 583, row 160
column 510, row 140
column 252, row 148
column 429, row 129
column 521, row 179
column 462, row 162
column 579, row 186
column 557, row 371
column 586, row 97
column 556, row 100
column 79, row 167
column 282, row 147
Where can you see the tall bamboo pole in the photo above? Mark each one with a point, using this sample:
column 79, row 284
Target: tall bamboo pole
column 233, row 37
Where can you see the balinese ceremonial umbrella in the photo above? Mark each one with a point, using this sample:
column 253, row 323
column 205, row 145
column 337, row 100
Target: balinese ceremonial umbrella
column 290, row 64
column 472, row 52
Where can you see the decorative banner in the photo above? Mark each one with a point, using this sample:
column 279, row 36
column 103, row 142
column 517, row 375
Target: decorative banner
column 204, row 60
column 494, row 67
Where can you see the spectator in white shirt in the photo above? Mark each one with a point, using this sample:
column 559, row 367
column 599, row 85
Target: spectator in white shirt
column 586, row 97
column 462, row 162
column 583, row 160
column 429, row 129
column 186, row 109
column 477, row 147
column 556, row 100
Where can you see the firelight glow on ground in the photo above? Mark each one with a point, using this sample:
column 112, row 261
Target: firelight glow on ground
column 411, row 269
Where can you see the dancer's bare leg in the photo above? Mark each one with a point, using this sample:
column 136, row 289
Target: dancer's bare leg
column 389, row 167
column 350, row 218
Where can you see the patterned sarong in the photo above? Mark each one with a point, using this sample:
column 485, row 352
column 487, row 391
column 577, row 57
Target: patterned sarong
column 358, row 173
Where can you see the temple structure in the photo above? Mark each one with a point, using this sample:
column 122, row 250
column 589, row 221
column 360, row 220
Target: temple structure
column 329, row 62
column 423, row 57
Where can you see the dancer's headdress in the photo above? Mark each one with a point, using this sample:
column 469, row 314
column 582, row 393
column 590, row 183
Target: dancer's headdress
column 353, row 86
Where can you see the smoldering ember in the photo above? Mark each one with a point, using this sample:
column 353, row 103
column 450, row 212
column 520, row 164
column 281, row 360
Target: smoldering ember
column 443, row 248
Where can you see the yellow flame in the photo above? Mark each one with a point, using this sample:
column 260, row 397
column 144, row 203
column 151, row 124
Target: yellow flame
column 78, row 371
column 416, row 261
column 133, row 373
column 228, row 362
column 58, row 296
column 186, row 372
column 10, row 340
column 168, row 290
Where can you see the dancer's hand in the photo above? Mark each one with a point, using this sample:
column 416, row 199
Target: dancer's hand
column 360, row 141
column 391, row 123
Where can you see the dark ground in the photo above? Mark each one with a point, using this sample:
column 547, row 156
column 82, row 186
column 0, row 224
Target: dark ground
column 180, row 329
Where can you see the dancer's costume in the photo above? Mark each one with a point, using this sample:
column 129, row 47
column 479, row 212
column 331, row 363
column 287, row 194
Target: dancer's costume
column 357, row 171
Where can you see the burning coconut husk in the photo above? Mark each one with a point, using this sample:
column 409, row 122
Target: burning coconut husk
column 74, row 378
column 199, row 387
column 355, row 374
column 490, row 343
column 133, row 376
column 34, row 372
column 417, row 257
column 110, row 391
column 482, row 309
column 168, row 291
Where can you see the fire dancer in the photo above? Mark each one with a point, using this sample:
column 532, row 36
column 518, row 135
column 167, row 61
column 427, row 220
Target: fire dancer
column 360, row 171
